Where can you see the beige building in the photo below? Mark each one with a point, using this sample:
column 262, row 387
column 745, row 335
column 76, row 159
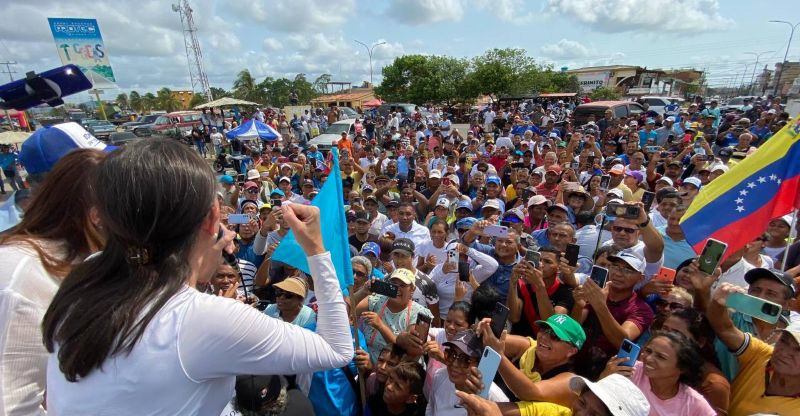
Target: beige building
column 184, row 98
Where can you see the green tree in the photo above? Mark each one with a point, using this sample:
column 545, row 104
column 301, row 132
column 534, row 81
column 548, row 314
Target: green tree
column 245, row 87
column 135, row 101
column 605, row 93
column 409, row 78
column 122, row 101
column 198, row 99
column 501, row 72
column 321, row 83
column 305, row 90
column 149, row 101
column 219, row 93
column 166, row 101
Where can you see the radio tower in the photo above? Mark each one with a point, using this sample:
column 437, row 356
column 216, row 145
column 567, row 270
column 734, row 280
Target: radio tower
column 194, row 56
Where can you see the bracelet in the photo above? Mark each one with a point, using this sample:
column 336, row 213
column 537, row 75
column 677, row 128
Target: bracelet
column 645, row 224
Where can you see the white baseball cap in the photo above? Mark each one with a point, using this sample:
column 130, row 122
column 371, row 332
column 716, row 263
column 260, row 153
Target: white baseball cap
column 435, row 173
column 692, row 180
column 666, row 180
column 253, row 174
column 617, row 392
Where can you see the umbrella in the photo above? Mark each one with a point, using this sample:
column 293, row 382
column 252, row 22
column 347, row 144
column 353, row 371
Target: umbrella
column 13, row 137
column 225, row 102
column 375, row 102
column 254, row 129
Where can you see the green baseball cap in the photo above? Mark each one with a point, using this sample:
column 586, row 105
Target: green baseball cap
column 565, row 328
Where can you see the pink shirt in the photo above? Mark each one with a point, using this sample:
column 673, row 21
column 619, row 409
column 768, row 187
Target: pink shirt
column 688, row 402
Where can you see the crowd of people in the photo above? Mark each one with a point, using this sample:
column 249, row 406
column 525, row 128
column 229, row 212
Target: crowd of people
column 115, row 263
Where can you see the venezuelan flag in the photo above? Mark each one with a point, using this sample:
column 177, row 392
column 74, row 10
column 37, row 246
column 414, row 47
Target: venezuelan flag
column 736, row 207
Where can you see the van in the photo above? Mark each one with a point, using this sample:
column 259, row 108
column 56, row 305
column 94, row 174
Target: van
column 598, row 108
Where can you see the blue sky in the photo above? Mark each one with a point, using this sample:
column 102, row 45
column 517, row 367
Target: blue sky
column 283, row 37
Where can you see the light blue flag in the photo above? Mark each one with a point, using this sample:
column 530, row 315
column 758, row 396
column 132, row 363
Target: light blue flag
column 333, row 224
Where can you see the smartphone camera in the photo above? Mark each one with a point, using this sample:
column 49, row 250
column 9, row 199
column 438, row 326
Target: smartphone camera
column 771, row 310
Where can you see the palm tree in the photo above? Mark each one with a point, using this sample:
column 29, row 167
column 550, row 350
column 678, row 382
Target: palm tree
column 149, row 101
column 122, row 101
column 135, row 101
column 166, row 101
column 246, row 87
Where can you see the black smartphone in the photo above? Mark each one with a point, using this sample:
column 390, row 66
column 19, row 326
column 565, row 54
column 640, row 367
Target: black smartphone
column 605, row 180
column 712, row 254
column 599, row 275
column 534, row 258
column 664, row 154
column 483, row 191
column 617, row 210
column 647, row 199
column 275, row 202
column 240, row 178
column 590, row 159
column 463, row 271
column 571, row 254
column 499, row 318
column 383, row 288
column 423, row 326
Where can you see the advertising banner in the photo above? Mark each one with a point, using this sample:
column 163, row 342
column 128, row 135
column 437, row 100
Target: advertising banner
column 79, row 42
column 589, row 81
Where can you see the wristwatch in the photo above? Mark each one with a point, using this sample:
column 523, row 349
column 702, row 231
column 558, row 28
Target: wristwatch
column 645, row 224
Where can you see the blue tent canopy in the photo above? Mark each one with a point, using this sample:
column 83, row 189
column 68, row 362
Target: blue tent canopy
column 254, row 129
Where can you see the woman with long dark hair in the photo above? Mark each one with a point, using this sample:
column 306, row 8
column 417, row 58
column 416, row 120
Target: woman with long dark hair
column 57, row 231
column 127, row 332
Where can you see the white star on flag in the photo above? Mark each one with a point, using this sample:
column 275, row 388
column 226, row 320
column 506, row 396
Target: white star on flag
column 739, row 200
column 740, row 208
column 772, row 177
column 778, row 181
column 751, row 185
column 762, row 179
column 743, row 192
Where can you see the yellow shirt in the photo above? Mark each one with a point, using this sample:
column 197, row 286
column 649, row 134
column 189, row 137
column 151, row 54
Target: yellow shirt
column 542, row 409
column 527, row 361
column 627, row 195
column 747, row 391
column 637, row 196
column 511, row 193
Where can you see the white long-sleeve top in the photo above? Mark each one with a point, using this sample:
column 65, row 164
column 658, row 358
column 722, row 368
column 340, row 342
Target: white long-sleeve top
column 187, row 360
column 482, row 266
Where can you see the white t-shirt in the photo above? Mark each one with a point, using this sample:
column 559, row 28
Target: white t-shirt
column 418, row 234
column 427, row 248
column 216, row 138
column 488, row 117
column 188, row 358
column 504, row 141
column 442, row 400
column 735, row 275
column 480, row 264
column 650, row 269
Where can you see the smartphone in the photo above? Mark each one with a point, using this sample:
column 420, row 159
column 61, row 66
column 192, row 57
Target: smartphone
column 240, row 178
column 590, row 159
column 617, row 210
column 423, row 326
column 496, row 231
column 275, row 202
column 711, row 255
column 647, row 199
column 499, row 318
column 574, row 165
column 571, row 254
column 490, row 362
column 605, row 180
column 629, row 350
column 446, row 181
column 664, row 154
column 383, row 288
column 238, row 219
column 665, row 274
column 599, row 275
column 452, row 257
column 652, row 149
column 752, row 306
column 483, row 191
column 534, row 258
column 463, row 271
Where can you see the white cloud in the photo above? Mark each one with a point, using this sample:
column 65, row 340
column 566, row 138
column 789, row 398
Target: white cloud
column 294, row 15
column 513, row 11
column 272, row 44
column 565, row 49
column 421, row 12
column 670, row 16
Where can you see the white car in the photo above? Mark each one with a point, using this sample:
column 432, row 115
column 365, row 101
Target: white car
column 737, row 103
column 334, row 133
column 659, row 104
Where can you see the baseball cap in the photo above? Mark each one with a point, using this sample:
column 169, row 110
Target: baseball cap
column 250, row 184
column 725, row 152
column 774, row 274
column 565, row 328
column 670, row 118
column 435, row 173
column 617, row 169
column 554, row 169
column 721, row 167
column 492, row 203
column 253, row 174
column 371, row 247
column 512, row 214
column 636, row 175
column 617, row 392
column 277, row 191
column 465, row 223
column 362, row 216
column 284, row 178
column 466, row 341
column 41, row 151
column 393, row 203
column 693, row 181
column 616, row 192
column 286, row 165
column 464, row 204
column 794, row 330
column 293, row 285
column 538, row 200
column 494, row 180
column 676, row 163
column 226, row 179
column 557, row 206
column 443, row 202
column 403, row 244
column 631, row 259
column 553, row 135
column 666, row 180
column 633, row 124
column 404, row 275
column 771, row 111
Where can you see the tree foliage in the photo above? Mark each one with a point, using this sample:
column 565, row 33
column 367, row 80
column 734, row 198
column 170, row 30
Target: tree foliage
column 122, row 101
column 166, row 101
column 422, row 78
column 605, row 93
column 198, row 99
column 135, row 101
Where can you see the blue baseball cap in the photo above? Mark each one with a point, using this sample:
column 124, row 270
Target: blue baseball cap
column 277, row 191
column 465, row 223
column 464, row 203
column 226, row 179
column 371, row 248
column 43, row 149
column 493, row 179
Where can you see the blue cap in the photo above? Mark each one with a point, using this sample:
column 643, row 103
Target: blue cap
column 46, row 146
column 277, row 191
column 650, row 121
column 226, row 179
column 464, row 203
column 493, row 179
column 372, row 248
column 465, row 222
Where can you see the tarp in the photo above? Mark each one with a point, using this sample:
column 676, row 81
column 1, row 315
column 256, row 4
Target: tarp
column 224, row 102
column 13, row 137
column 377, row 102
column 254, row 129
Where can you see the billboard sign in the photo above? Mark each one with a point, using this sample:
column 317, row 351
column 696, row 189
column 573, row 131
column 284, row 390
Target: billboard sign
column 590, row 81
column 79, row 42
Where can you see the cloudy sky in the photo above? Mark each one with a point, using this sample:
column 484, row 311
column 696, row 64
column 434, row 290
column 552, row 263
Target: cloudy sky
column 283, row 37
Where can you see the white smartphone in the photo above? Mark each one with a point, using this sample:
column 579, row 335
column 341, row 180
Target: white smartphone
column 452, row 257
column 490, row 362
column 499, row 231
column 238, row 219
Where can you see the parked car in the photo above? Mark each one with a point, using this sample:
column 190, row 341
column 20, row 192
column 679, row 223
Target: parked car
column 404, row 108
column 659, row 104
column 101, row 129
column 140, row 121
column 598, row 108
column 122, row 138
column 736, row 103
column 178, row 122
column 349, row 113
column 334, row 133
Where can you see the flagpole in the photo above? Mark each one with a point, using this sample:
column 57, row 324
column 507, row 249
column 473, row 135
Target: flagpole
column 361, row 386
column 792, row 232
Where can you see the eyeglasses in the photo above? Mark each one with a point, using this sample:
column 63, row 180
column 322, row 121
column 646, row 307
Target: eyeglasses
column 252, row 191
column 619, row 229
column 284, row 294
column 359, row 274
column 661, row 303
column 622, row 269
column 458, row 359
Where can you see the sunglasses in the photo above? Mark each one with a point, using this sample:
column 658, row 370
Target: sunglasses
column 624, row 229
column 284, row 294
column 671, row 305
column 359, row 274
column 252, row 191
column 458, row 359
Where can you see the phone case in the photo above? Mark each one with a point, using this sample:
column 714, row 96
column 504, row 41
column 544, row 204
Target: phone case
column 711, row 255
column 599, row 275
column 463, row 271
column 384, row 288
column 629, row 350
column 499, row 318
column 496, row 231
column 490, row 362
column 238, row 219
column 572, row 252
column 665, row 274
column 756, row 307
column 452, row 256
column 534, row 257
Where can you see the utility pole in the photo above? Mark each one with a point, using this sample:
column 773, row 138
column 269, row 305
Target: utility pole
column 753, row 77
column 369, row 52
column 11, row 78
column 785, row 56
